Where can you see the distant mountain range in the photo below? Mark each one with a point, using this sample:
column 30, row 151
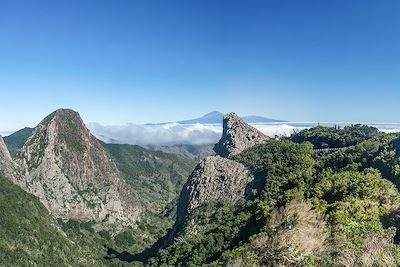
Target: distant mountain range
column 216, row 117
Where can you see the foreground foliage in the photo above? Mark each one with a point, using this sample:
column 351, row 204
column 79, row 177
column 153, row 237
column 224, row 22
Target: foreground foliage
column 341, row 209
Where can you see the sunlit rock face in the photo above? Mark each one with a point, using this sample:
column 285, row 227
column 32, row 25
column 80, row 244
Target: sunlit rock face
column 8, row 167
column 73, row 176
column 215, row 178
column 237, row 136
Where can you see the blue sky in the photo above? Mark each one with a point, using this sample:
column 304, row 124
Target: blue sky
column 151, row 61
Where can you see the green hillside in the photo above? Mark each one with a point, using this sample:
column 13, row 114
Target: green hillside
column 339, row 210
column 16, row 140
column 335, row 137
column 31, row 237
column 156, row 176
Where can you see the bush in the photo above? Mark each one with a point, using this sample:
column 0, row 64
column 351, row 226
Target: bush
column 293, row 233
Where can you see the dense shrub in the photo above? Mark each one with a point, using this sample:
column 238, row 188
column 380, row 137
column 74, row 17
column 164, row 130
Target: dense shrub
column 339, row 211
column 335, row 137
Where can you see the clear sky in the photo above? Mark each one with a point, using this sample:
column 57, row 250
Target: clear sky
column 151, row 61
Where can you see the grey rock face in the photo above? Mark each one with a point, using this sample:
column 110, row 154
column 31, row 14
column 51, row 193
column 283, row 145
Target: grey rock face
column 73, row 176
column 8, row 167
column 237, row 136
column 5, row 158
column 215, row 178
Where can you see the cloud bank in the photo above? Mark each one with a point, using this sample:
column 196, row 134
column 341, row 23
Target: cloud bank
column 195, row 134
column 5, row 133
column 174, row 133
column 199, row 134
column 166, row 134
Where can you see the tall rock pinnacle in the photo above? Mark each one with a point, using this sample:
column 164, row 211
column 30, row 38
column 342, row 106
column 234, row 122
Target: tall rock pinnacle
column 237, row 136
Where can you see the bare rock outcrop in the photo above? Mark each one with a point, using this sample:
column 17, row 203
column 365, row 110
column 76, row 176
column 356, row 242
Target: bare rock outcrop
column 215, row 178
column 8, row 168
column 73, row 176
column 237, row 135
column 219, row 177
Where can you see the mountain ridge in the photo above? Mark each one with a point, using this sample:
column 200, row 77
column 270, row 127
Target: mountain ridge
column 72, row 175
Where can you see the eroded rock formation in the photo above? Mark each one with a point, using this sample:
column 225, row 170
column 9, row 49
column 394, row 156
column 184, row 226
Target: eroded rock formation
column 237, row 136
column 72, row 175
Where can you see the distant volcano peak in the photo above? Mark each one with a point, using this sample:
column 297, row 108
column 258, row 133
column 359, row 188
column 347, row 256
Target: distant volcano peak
column 217, row 117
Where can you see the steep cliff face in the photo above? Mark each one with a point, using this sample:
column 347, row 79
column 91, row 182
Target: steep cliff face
column 220, row 178
column 8, row 168
column 72, row 175
column 237, row 136
column 214, row 179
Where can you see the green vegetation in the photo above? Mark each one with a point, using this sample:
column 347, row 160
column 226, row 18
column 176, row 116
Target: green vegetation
column 323, row 137
column 16, row 140
column 336, row 209
column 218, row 228
column 341, row 209
column 156, row 176
column 69, row 124
column 286, row 169
column 31, row 237
column 85, row 235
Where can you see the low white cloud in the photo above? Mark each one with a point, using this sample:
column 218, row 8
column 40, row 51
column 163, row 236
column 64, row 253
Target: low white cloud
column 277, row 129
column 166, row 134
column 174, row 133
column 196, row 134
column 388, row 127
column 6, row 133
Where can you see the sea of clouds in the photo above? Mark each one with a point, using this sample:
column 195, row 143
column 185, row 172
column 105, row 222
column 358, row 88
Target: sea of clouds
column 197, row 134
column 164, row 134
column 174, row 133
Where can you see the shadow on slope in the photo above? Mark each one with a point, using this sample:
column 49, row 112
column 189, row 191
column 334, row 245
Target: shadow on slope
column 143, row 256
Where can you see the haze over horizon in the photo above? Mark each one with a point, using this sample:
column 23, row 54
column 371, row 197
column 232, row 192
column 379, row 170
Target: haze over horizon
column 157, row 61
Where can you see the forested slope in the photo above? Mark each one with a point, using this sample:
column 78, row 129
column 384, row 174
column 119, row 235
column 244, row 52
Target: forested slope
column 339, row 210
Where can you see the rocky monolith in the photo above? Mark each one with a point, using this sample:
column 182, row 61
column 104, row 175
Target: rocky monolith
column 237, row 135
